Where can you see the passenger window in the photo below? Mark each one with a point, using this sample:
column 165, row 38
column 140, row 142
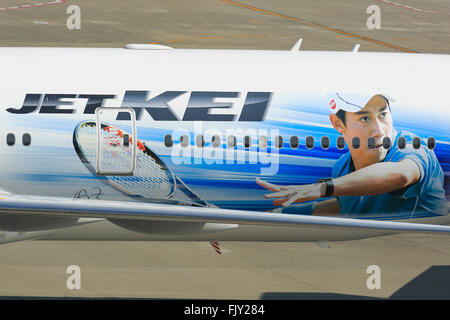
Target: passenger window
column 309, row 142
column 401, row 143
column 247, row 142
column 215, row 141
column 294, row 142
column 386, row 142
column 26, row 139
column 325, row 142
column 431, row 143
column 231, row 141
column 262, row 141
column 168, row 142
column 340, row 142
column 356, row 143
column 278, row 142
column 184, row 140
column 371, row 142
column 10, row 139
column 416, row 143
column 126, row 140
column 200, row 141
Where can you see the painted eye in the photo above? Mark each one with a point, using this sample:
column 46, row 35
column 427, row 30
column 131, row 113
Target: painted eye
column 364, row 119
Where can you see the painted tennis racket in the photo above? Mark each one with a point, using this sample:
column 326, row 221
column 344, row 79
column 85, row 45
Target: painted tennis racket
column 152, row 180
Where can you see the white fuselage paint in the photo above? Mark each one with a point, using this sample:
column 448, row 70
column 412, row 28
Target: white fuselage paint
column 114, row 71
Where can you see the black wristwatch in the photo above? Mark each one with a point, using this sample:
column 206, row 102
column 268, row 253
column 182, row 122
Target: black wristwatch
column 329, row 186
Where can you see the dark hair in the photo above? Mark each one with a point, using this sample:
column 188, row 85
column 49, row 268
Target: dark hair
column 341, row 115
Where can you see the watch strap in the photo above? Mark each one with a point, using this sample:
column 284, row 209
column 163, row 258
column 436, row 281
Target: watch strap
column 329, row 186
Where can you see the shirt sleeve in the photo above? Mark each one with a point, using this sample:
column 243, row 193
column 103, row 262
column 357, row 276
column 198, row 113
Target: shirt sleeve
column 341, row 166
column 421, row 158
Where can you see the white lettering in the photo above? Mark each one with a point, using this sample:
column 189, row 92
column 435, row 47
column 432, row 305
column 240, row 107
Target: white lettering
column 374, row 21
column 374, row 281
column 74, row 280
column 74, row 20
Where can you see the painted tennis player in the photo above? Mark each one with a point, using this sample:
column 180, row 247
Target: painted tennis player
column 376, row 176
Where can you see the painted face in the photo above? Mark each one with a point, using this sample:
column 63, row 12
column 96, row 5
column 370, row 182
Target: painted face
column 374, row 120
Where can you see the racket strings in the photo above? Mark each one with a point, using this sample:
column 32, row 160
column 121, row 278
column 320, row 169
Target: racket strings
column 149, row 179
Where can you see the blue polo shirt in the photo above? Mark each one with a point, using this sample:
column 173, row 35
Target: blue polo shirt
column 424, row 198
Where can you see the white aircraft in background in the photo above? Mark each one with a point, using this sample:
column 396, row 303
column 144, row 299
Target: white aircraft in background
column 153, row 143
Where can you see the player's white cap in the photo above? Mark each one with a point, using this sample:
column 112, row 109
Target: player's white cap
column 350, row 102
column 346, row 102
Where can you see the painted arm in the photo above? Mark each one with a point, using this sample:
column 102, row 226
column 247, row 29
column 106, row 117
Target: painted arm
column 375, row 179
column 378, row 178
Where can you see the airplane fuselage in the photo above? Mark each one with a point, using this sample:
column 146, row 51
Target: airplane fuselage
column 218, row 119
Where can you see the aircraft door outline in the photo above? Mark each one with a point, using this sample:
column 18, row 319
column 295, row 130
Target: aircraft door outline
column 116, row 149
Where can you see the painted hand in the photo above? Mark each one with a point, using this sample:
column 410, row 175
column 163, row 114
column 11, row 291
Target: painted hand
column 286, row 195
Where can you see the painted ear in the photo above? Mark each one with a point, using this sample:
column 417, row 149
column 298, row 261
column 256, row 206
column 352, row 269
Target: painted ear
column 337, row 123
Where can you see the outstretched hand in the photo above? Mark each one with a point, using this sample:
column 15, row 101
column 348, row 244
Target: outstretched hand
column 286, row 195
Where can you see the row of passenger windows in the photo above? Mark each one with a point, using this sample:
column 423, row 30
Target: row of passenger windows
column 11, row 139
column 294, row 142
